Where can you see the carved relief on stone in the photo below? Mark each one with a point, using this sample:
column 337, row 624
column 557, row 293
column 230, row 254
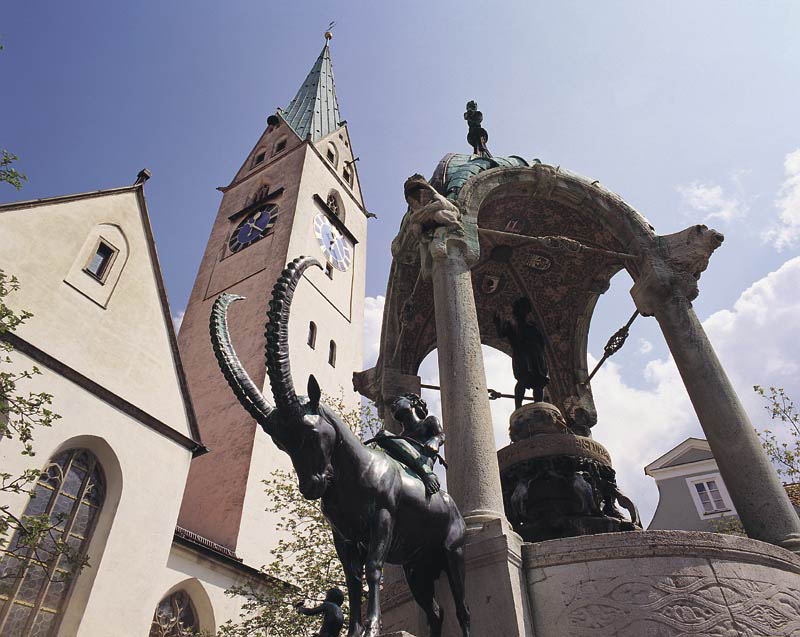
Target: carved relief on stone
column 677, row 605
column 673, row 268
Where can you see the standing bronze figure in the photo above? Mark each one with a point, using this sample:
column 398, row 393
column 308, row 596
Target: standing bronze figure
column 527, row 351
column 378, row 510
column 331, row 611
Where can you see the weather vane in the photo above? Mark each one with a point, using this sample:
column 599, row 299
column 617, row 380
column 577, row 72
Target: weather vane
column 329, row 31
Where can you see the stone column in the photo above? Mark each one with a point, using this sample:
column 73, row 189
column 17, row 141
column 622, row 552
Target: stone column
column 445, row 245
column 665, row 289
column 473, row 476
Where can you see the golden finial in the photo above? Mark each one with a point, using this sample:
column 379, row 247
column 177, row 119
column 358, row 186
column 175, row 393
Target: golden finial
column 329, row 32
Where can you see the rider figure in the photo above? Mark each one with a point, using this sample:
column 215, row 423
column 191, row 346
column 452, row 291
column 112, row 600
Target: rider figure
column 412, row 412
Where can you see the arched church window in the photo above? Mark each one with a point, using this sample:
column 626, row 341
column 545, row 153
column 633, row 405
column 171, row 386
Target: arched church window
column 332, row 154
column 35, row 581
column 347, row 173
column 260, row 155
column 312, row 334
column 332, row 354
column 279, row 146
column 333, row 205
column 175, row 616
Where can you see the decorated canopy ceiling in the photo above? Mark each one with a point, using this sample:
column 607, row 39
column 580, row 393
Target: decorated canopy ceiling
column 546, row 234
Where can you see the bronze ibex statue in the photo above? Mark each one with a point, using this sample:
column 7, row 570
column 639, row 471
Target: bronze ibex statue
column 379, row 510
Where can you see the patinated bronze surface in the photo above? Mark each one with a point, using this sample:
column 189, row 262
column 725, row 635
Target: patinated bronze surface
column 378, row 511
column 477, row 137
column 527, row 350
column 331, row 611
column 418, row 446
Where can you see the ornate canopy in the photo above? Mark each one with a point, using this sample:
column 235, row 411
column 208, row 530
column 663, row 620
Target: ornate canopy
column 544, row 233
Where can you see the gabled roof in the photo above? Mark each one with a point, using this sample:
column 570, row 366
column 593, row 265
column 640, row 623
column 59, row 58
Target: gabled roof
column 194, row 443
column 314, row 110
column 684, row 453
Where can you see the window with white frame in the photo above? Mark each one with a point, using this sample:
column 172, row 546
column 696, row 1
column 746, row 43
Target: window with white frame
column 710, row 495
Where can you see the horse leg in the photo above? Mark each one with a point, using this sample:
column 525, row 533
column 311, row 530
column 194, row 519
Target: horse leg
column 454, row 566
column 352, row 565
column 379, row 541
column 420, row 576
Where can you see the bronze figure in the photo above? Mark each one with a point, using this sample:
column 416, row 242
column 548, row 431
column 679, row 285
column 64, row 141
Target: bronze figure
column 331, row 611
column 527, row 351
column 378, row 511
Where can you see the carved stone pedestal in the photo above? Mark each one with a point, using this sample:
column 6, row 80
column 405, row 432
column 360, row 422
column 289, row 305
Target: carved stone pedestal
column 557, row 484
column 496, row 589
column 665, row 583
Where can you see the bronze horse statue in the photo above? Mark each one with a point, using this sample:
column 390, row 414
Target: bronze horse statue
column 377, row 508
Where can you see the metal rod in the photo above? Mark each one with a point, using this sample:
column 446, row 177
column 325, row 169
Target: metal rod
column 614, row 344
column 493, row 394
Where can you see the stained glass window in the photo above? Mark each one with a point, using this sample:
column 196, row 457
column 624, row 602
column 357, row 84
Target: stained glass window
column 175, row 617
column 34, row 581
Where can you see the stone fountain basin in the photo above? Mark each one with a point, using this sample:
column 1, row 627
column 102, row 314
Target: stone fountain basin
column 662, row 583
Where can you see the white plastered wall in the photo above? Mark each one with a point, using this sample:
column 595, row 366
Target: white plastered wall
column 145, row 474
column 123, row 346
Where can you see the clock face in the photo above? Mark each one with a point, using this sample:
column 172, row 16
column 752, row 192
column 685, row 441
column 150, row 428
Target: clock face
column 253, row 227
column 335, row 246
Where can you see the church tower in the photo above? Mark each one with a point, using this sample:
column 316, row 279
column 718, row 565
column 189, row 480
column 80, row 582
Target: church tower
column 297, row 193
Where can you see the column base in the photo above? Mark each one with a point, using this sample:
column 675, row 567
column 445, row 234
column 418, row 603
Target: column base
column 495, row 583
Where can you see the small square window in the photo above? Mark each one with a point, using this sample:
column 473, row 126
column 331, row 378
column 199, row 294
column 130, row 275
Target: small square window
column 259, row 158
column 101, row 260
column 329, row 270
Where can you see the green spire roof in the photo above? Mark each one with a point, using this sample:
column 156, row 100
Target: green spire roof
column 314, row 110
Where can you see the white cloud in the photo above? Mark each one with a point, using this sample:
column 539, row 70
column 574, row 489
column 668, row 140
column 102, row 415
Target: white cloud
column 711, row 202
column 786, row 231
column 756, row 341
column 177, row 319
column 645, row 346
column 373, row 318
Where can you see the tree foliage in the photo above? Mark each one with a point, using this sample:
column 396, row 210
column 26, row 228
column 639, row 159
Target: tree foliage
column 782, row 446
column 8, row 173
column 304, row 564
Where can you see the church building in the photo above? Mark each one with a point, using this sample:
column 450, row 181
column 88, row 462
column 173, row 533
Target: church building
column 154, row 471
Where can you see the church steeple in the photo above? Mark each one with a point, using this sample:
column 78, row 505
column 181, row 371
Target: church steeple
column 314, row 110
column 293, row 194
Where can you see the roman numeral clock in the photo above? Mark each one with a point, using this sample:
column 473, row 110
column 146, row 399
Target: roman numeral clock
column 336, row 247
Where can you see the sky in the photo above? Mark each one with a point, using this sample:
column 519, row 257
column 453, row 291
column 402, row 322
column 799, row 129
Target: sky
column 687, row 110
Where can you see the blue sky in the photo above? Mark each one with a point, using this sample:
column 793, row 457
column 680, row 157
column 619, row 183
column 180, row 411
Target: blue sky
column 688, row 110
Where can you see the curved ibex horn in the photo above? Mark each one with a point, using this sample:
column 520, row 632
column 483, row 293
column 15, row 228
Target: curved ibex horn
column 277, row 332
column 243, row 387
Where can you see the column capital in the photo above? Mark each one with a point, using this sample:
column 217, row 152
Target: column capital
column 671, row 270
column 434, row 229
